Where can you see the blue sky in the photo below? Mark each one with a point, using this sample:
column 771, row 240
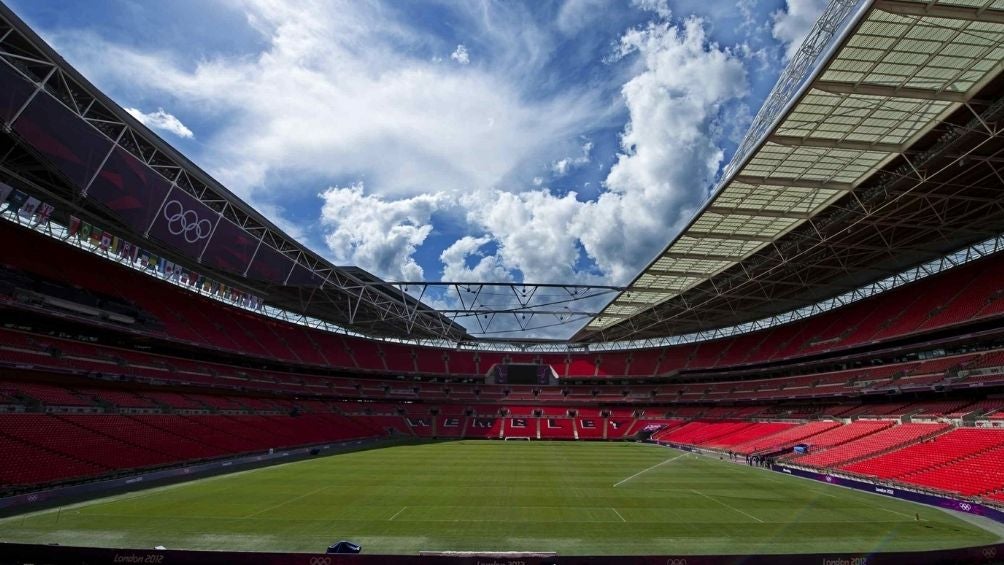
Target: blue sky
column 541, row 141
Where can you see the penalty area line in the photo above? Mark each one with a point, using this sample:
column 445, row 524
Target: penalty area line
column 281, row 504
column 618, row 514
column 697, row 492
column 649, row 469
column 398, row 513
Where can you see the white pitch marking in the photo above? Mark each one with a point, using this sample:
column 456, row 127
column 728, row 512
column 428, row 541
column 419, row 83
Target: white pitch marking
column 397, row 514
column 618, row 514
column 727, row 506
column 650, row 468
column 295, row 498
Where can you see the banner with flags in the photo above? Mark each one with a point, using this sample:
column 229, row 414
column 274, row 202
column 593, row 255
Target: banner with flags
column 44, row 212
column 28, row 208
column 74, row 226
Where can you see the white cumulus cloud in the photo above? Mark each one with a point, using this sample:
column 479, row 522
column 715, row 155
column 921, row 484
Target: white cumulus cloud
column 792, row 24
column 486, row 268
column 161, row 120
column 667, row 163
column 341, row 89
column 379, row 235
column 668, row 157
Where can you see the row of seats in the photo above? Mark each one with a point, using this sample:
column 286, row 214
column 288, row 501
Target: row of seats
column 44, row 352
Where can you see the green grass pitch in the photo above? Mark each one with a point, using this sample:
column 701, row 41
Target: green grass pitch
column 573, row 498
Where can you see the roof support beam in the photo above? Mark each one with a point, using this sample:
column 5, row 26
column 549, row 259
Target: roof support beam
column 676, row 273
column 695, row 234
column 649, row 290
column 837, row 87
column 759, row 213
column 901, row 8
column 706, row 256
column 794, row 141
column 620, row 303
column 794, row 183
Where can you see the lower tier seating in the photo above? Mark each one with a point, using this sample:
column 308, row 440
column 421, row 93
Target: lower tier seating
column 44, row 448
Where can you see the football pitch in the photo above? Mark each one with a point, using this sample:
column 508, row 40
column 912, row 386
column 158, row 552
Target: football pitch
column 572, row 498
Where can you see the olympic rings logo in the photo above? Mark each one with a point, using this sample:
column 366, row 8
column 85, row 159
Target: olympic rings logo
column 965, row 506
column 320, row 561
column 186, row 223
column 989, row 552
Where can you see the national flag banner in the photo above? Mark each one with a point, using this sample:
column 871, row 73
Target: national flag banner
column 126, row 250
column 116, row 245
column 85, row 232
column 152, row 261
column 74, row 226
column 169, row 270
column 5, row 190
column 44, row 212
column 161, row 265
column 96, row 234
column 106, row 241
column 28, row 208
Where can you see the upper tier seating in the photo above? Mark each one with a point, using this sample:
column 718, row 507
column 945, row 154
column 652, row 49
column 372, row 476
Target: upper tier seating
column 970, row 292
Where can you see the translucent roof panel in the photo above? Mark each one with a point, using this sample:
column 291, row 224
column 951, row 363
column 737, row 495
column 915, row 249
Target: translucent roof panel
column 864, row 119
column 905, row 68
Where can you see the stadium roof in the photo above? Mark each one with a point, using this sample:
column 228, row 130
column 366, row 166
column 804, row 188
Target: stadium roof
column 866, row 119
column 878, row 150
